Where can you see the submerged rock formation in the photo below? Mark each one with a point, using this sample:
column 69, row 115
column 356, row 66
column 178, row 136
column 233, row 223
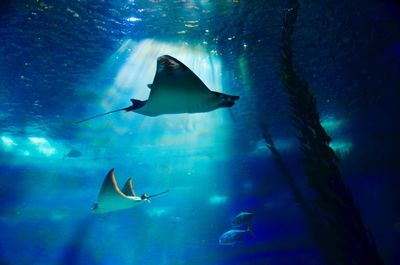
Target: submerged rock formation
column 335, row 222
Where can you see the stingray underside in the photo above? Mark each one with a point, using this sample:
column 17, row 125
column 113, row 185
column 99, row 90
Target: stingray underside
column 110, row 197
column 176, row 89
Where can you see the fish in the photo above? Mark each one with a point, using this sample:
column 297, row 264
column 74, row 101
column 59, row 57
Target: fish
column 234, row 236
column 175, row 90
column 111, row 198
column 73, row 153
column 242, row 219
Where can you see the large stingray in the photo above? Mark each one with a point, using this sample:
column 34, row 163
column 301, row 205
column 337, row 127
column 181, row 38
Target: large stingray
column 111, row 198
column 176, row 89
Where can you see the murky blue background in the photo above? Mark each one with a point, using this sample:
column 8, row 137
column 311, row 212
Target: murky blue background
column 62, row 61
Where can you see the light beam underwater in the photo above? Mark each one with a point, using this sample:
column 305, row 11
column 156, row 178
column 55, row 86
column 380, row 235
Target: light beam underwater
column 7, row 142
column 175, row 141
column 42, row 145
column 132, row 67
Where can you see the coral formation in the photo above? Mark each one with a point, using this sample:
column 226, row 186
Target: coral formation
column 335, row 222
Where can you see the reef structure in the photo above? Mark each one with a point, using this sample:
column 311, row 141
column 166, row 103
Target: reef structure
column 335, row 222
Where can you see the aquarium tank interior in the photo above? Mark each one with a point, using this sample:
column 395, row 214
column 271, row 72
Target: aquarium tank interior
column 199, row 132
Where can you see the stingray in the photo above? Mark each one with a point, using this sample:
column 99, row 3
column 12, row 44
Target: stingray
column 176, row 89
column 73, row 153
column 111, row 198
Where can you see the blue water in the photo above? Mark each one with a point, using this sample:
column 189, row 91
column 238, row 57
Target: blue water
column 62, row 61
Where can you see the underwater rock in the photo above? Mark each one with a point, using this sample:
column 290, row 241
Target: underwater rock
column 335, row 224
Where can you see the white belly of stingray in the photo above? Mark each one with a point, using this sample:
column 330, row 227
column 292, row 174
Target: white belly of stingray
column 114, row 203
column 170, row 101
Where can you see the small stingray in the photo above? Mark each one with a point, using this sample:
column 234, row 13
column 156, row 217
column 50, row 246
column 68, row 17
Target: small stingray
column 111, row 198
column 176, row 89
column 73, row 153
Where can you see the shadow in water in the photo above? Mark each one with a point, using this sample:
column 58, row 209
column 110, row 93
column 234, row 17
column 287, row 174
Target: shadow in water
column 74, row 251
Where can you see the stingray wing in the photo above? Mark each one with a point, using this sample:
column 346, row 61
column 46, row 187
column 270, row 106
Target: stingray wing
column 173, row 76
column 128, row 188
column 109, row 189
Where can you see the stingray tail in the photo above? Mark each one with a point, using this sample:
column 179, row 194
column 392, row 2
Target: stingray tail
column 99, row 115
column 158, row 194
